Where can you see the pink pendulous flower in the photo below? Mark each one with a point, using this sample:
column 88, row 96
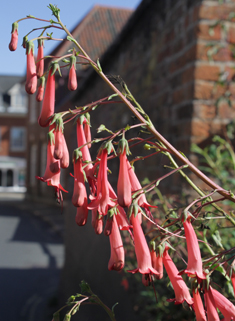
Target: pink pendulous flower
column 123, row 185
column 117, row 257
column 141, row 249
column 198, row 306
column 102, row 201
column 181, row 290
column 64, row 160
column 79, row 192
column 157, row 260
column 72, row 81
column 40, row 60
column 136, row 186
column 212, row 314
column 81, row 141
column 224, row 305
column 31, row 76
column 40, row 92
column 109, row 223
column 87, row 130
column 121, row 217
column 48, row 104
column 194, row 267
column 14, row 37
column 52, row 172
column 82, row 213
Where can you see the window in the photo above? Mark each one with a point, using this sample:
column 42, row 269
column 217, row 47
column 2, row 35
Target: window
column 18, row 139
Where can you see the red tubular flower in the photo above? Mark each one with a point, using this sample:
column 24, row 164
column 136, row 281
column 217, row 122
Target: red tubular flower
column 52, row 173
column 40, row 60
column 81, row 140
column 123, row 185
column 157, row 261
column 194, row 267
column 87, row 132
column 224, row 305
column 198, row 306
column 99, row 225
column 72, row 83
column 14, row 37
column 181, row 290
column 136, row 186
column 122, row 221
column 64, row 161
column 31, row 76
column 102, row 200
column 82, row 213
column 48, row 105
column 108, row 226
column 212, row 314
column 79, row 191
column 40, row 92
column 117, row 258
column 141, row 249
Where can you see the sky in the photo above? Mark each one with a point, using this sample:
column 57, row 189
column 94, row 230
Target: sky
column 72, row 11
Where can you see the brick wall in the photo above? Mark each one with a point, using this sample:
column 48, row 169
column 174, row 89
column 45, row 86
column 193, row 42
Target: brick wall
column 162, row 55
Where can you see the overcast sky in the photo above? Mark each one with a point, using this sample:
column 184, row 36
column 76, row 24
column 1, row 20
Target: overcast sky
column 14, row 63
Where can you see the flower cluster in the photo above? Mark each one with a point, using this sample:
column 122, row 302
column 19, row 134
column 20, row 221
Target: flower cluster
column 112, row 212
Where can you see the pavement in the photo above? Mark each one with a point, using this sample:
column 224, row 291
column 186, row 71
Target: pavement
column 31, row 258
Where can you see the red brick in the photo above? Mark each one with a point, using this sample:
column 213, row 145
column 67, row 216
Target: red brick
column 214, row 12
column 202, row 31
column 207, row 112
column 224, row 54
column 207, row 72
column 200, row 128
column 231, row 35
column 225, row 111
column 203, row 90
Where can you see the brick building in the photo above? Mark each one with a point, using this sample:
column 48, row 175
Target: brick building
column 13, row 123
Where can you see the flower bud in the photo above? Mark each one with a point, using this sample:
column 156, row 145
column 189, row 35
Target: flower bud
column 14, row 37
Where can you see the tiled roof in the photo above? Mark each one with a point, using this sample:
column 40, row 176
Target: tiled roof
column 6, row 82
column 97, row 30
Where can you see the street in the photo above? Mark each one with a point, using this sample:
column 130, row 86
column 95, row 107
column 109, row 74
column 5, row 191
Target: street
column 31, row 257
